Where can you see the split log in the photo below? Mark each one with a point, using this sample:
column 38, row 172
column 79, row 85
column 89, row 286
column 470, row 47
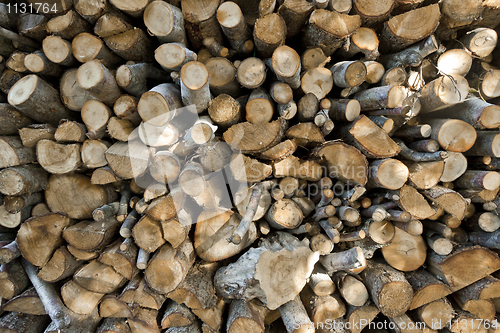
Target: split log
column 40, row 236
column 355, row 134
column 80, row 196
column 260, row 261
column 171, row 263
column 112, row 325
column 58, row 158
column 364, row 40
column 397, row 35
column 133, row 9
column 250, row 137
column 97, row 234
column 177, row 315
column 318, row 81
column 112, row 307
column 13, row 279
column 9, row 252
column 79, row 299
column 426, row 287
column 360, row 317
column 60, row 266
column 147, row 234
column 111, row 23
column 452, row 202
column 24, row 323
column 327, row 29
column 138, row 292
column 458, row 276
column 28, row 302
column 67, row 25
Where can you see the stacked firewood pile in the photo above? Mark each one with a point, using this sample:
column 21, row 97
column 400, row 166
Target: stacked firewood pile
column 249, row 166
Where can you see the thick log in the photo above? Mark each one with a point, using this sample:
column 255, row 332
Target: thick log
column 263, row 262
column 405, row 252
column 97, row 234
column 386, row 285
column 58, row 158
column 60, row 266
column 99, row 278
column 37, row 99
column 28, row 302
column 165, row 21
column 87, row 47
column 138, row 292
column 201, row 21
column 327, row 29
column 265, row 41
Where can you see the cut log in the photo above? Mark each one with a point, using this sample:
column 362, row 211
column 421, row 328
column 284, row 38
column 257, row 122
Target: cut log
column 412, row 201
column 318, row 81
column 72, row 95
column 97, row 234
column 235, row 27
column 60, row 266
column 222, row 77
column 134, row 9
column 443, row 92
column 165, row 21
column 111, row 23
column 24, row 323
column 348, row 74
column 201, row 21
column 171, row 263
column 138, row 292
column 448, row 268
column 99, row 278
column 67, row 25
column 352, row 289
column 389, row 289
column 128, row 160
column 261, row 259
column 265, row 41
column 37, row 62
column 398, row 32
column 13, row 279
column 388, row 173
column 112, row 307
column 452, row 202
column 160, row 104
column 294, row 167
column 112, row 325
column 14, row 153
column 249, row 137
column 405, row 252
column 39, row 237
column 87, row 47
column 361, row 317
column 133, row 78
column 327, row 29
column 94, row 77
column 245, row 317
column 352, row 260
column 426, row 288
column 147, row 234
column 177, row 315
column 58, row 158
column 28, row 302
column 78, row 299
column 370, row 139
column 37, row 99
column 251, row 73
column 75, row 195
column 133, row 45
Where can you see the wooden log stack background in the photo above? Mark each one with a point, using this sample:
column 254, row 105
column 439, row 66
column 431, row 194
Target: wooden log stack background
column 249, row 166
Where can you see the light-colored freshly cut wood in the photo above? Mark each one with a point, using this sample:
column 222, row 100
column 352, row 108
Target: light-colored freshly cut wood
column 318, row 81
column 235, row 27
column 70, row 131
column 79, row 299
column 165, row 21
column 134, row 8
column 58, row 158
column 172, row 56
column 98, row 277
column 98, row 234
column 250, row 137
column 364, row 40
column 388, row 173
column 251, row 73
column 13, row 153
column 272, row 289
column 75, row 195
column 22, row 180
column 60, row 266
column 405, row 252
column 348, row 74
column 128, row 160
column 72, row 95
column 40, row 236
column 87, row 47
column 269, row 33
column 455, row 61
column 111, row 23
column 93, row 153
column 222, row 77
column 67, row 25
column 424, row 175
column 259, row 107
column 133, row 78
column 481, row 262
column 444, row 92
column 38, row 63
column 168, row 267
column 410, row 27
column 28, row 302
column 201, row 21
column 160, row 104
column 98, row 80
column 413, row 202
column 132, row 45
column 37, row 99
column 388, row 288
column 380, row 98
column 481, row 42
column 327, row 29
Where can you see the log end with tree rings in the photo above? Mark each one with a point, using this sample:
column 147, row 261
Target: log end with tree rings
column 58, row 50
column 222, row 77
column 454, row 135
column 172, row 56
column 389, row 173
column 251, row 73
column 269, row 33
column 374, row 72
column 160, row 104
column 443, row 92
column 365, row 39
column 454, row 166
column 286, row 64
column 490, row 84
column 481, row 42
column 90, row 74
column 318, row 81
column 455, row 61
column 23, row 90
column 159, row 18
column 86, row 47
